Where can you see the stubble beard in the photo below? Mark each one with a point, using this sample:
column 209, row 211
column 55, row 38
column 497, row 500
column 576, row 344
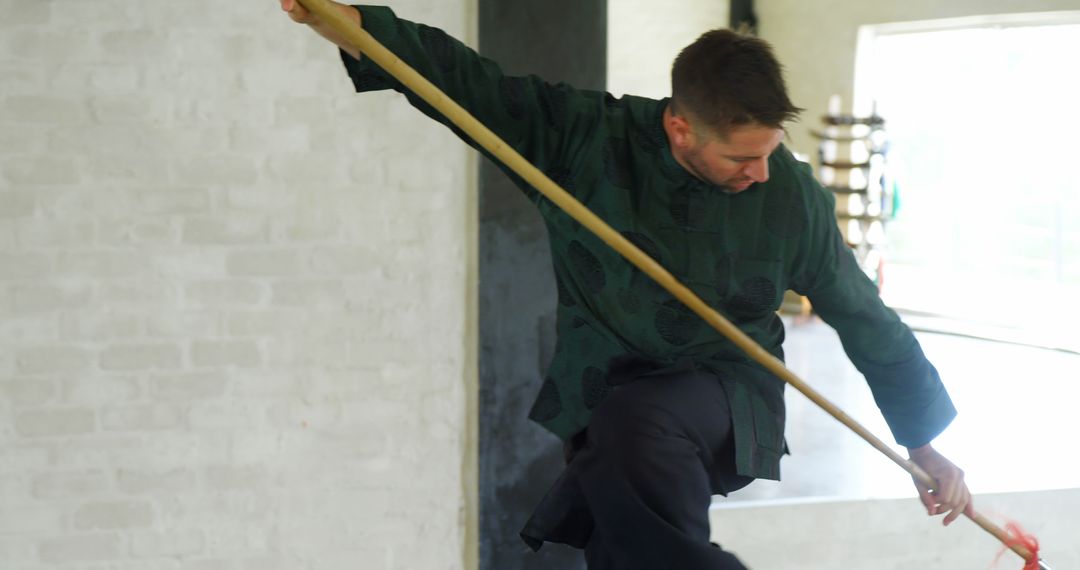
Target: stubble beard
column 698, row 169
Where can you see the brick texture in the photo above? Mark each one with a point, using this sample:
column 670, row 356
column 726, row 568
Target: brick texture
column 217, row 265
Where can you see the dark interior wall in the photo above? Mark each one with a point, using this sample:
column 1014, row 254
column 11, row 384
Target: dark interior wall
column 558, row 40
column 743, row 15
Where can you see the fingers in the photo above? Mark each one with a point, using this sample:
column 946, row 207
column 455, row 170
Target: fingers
column 927, row 499
column 951, row 494
column 963, row 505
column 296, row 11
column 952, row 497
column 950, row 487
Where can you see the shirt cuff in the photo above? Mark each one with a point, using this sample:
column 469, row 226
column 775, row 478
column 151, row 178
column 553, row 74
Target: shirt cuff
column 918, row 429
column 366, row 75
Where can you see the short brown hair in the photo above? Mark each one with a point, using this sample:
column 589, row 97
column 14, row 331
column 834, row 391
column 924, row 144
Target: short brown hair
column 725, row 79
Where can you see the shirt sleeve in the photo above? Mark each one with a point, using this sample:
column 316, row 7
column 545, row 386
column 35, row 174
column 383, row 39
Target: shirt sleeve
column 539, row 120
column 905, row 385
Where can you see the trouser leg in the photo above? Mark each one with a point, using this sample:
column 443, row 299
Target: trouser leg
column 649, row 470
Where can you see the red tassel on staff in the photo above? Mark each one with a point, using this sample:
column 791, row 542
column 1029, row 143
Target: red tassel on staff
column 1020, row 537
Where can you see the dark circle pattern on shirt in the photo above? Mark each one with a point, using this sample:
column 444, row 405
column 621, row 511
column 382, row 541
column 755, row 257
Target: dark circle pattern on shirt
column 594, row 387
column 512, row 91
column 755, row 299
column 587, row 266
column 785, row 216
column 616, row 163
column 553, row 104
column 548, row 404
column 676, row 324
column 687, row 208
column 439, row 45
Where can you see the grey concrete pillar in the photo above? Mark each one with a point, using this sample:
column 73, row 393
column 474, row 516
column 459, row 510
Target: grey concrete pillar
column 559, row 40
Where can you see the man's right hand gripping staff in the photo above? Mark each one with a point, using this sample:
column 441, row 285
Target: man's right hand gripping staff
column 302, row 15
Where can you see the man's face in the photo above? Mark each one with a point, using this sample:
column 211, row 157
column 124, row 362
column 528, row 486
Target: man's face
column 733, row 162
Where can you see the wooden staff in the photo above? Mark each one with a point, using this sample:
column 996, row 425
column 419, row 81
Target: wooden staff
column 370, row 47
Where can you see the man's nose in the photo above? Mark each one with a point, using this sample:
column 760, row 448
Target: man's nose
column 758, row 170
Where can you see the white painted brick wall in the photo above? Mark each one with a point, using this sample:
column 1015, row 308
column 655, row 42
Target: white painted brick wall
column 232, row 297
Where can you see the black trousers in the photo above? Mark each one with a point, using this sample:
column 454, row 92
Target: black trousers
column 655, row 452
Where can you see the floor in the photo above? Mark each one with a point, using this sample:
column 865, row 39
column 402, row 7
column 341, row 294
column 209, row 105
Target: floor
column 1017, row 417
column 894, row 534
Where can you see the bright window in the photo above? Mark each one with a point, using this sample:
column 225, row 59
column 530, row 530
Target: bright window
column 983, row 115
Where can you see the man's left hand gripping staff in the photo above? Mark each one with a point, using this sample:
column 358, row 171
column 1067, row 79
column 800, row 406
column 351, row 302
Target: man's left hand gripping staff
column 952, row 495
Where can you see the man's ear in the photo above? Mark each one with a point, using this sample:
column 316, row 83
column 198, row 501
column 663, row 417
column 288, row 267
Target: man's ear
column 679, row 131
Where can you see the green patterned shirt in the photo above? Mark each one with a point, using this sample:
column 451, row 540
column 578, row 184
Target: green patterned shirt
column 738, row 252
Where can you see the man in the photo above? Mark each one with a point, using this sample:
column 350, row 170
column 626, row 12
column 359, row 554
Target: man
column 658, row 411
